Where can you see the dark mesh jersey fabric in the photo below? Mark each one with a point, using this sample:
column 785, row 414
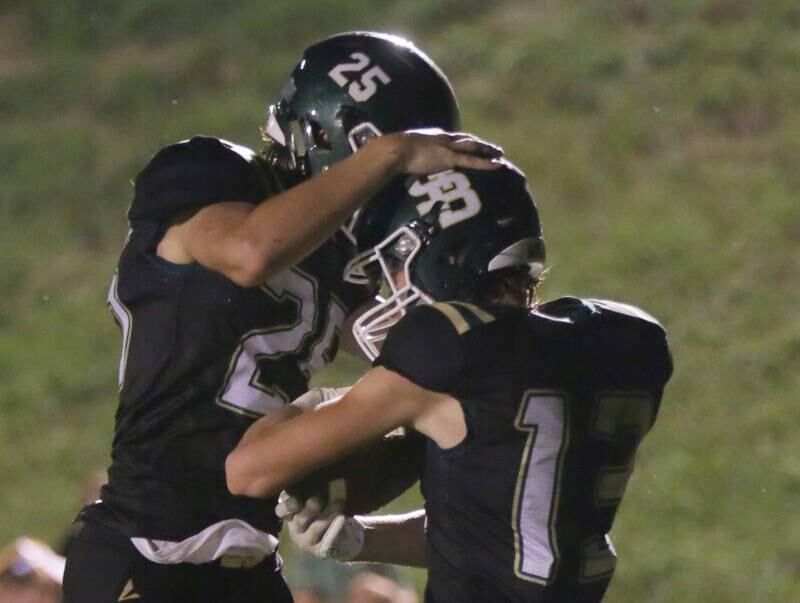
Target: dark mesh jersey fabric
column 555, row 402
column 203, row 357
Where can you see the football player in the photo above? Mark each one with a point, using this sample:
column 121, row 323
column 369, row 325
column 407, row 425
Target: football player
column 229, row 294
column 532, row 411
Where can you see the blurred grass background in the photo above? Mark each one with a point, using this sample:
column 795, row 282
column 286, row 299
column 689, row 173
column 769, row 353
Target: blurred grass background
column 661, row 140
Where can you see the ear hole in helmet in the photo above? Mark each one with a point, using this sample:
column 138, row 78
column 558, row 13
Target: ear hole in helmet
column 362, row 134
column 360, row 129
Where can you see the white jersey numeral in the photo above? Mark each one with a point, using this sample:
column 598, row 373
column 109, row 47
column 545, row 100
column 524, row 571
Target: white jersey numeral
column 337, row 74
column 542, row 414
column 454, row 188
column 243, row 390
column 125, row 321
column 321, row 350
column 618, row 416
column 366, row 85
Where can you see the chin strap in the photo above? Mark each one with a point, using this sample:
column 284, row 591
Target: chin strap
column 428, row 225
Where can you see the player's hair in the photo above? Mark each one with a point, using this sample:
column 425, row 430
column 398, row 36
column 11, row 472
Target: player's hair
column 515, row 285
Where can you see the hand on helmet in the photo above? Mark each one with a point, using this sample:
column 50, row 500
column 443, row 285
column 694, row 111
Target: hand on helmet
column 433, row 150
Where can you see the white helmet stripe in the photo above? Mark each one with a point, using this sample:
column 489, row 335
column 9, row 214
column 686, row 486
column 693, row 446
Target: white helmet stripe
column 524, row 252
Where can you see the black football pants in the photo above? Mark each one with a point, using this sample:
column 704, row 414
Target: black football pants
column 103, row 566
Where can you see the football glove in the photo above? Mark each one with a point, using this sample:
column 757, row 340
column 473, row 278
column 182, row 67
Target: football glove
column 320, row 529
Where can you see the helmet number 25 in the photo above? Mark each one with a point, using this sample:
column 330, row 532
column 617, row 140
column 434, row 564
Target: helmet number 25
column 461, row 200
column 362, row 88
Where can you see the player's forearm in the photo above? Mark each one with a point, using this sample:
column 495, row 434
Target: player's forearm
column 395, row 539
column 289, row 226
column 313, row 398
column 242, row 473
column 249, row 244
column 285, row 452
column 263, row 425
column 290, row 450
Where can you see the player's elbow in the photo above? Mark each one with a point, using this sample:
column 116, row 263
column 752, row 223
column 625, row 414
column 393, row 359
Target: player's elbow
column 252, row 264
column 246, row 276
column 242, row 480
column 237, row 477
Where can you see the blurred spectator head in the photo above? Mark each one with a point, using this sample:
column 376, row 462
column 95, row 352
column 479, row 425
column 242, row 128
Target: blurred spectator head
column 368, row 587
column 30, row 572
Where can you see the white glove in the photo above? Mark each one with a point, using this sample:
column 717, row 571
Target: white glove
column 317, row 396
column 321, row 529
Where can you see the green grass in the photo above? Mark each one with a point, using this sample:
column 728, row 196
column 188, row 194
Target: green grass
column 660, row 139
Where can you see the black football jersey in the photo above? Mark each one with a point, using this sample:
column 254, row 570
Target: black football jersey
column 556, row 401
column 202, row 357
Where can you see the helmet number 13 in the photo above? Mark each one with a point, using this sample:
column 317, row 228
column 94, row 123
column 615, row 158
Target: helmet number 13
column 362, row 88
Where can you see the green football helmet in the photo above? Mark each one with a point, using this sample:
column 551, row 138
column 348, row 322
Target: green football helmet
column 352, row 87
column 444, row 233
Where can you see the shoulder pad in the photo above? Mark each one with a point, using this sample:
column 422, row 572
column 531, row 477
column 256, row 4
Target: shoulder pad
column 624, row 309
column 573, row 309
column 194, row 173
column 567, row 309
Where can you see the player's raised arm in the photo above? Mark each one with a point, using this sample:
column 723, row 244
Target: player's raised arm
column 349, row 118
column 248, row 243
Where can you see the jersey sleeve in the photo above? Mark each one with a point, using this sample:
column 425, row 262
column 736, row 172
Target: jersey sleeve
column 192, row 174
column 426, row 348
